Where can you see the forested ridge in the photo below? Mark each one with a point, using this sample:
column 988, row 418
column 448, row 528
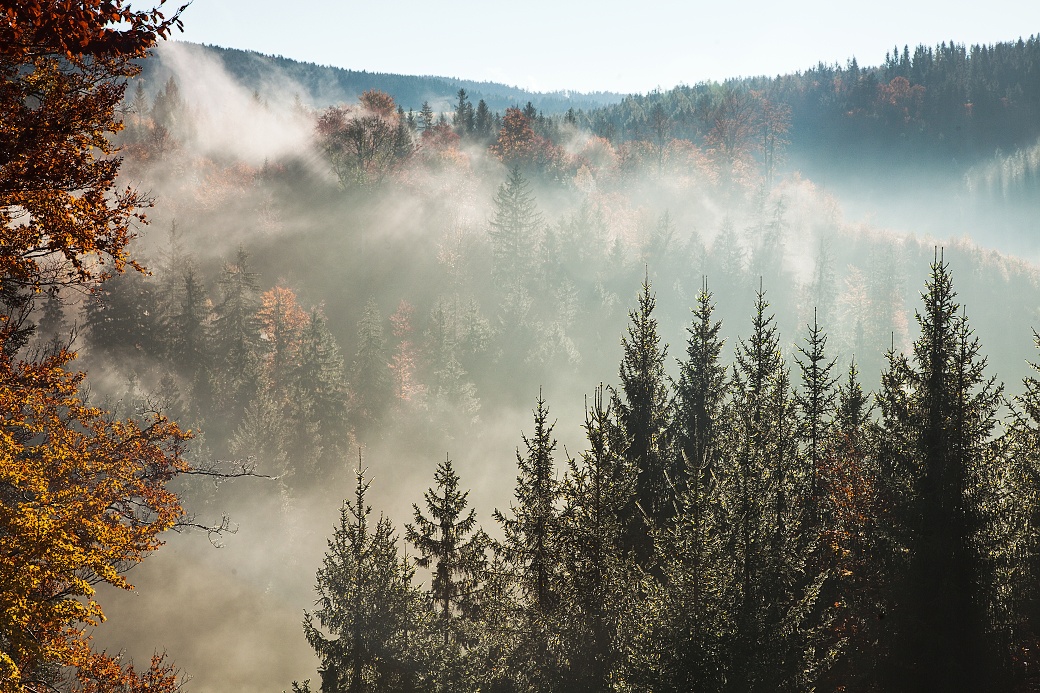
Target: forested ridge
column 616, row 398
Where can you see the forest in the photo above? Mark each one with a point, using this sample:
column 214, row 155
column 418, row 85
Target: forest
column 415, row 396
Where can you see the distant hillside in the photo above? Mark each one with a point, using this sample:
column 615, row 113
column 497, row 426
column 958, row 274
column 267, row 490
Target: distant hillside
column 949, row 104
column 322, row 85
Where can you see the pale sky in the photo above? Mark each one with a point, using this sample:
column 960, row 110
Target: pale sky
column 608, row 45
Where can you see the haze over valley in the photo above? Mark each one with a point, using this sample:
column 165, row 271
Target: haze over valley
column 736, row 375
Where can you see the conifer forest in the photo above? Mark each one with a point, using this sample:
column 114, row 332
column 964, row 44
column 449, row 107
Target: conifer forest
column 409, row 383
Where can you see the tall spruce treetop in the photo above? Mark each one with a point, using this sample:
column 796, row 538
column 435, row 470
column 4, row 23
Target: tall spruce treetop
column 514, row 229
column 236, row 326
column 532, row 532
column 367, row 604
column 758, row 360
column 699, row 395
column 450, row 544
column 939, row 411
column 598, row 572
column 371, row 376
column 816, row 401
column 853, row 407
column 532, row 554
column 644, row 412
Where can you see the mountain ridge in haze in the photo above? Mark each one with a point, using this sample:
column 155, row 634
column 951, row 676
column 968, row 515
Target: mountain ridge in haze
column 323, row 85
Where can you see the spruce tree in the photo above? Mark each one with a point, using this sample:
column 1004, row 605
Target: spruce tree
column 367, row 604
column 938, row 412
column 699, row 398
column 453, row 547
column 1019, row 611
column 531, row 548
column 426, row 116
column 599, row 573
column 463, row 119
column 754, row 501
column 189, row 345
column 119, row 317
column 482, row 121
column 237, row 346
column 321, row 393
column 371, row 380
column 816, row 401
column 644, row 411
column 514, row 230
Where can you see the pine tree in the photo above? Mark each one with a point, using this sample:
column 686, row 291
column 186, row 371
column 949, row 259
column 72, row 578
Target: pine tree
column 368, row 605
column 644, row 410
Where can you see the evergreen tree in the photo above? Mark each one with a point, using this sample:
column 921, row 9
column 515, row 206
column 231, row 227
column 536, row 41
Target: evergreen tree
column 816, row 401
column 699, row 399
column 938, row 412
column 463, row 119
column 53, row 330
column 320, row 384
column 599, row 576
column 531, row 549
column 368, row 606
column 643, row 406
column 1019, row 606
column 425, row 116
column 482, row 122
column 119, row 317
column 237, row 344
column 189, row 347
column 753, row 500
column 514, row 230
column 453, row 547
column 372, row 382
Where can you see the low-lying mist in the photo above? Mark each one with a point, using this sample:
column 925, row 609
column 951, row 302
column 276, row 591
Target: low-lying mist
column 445, row 322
